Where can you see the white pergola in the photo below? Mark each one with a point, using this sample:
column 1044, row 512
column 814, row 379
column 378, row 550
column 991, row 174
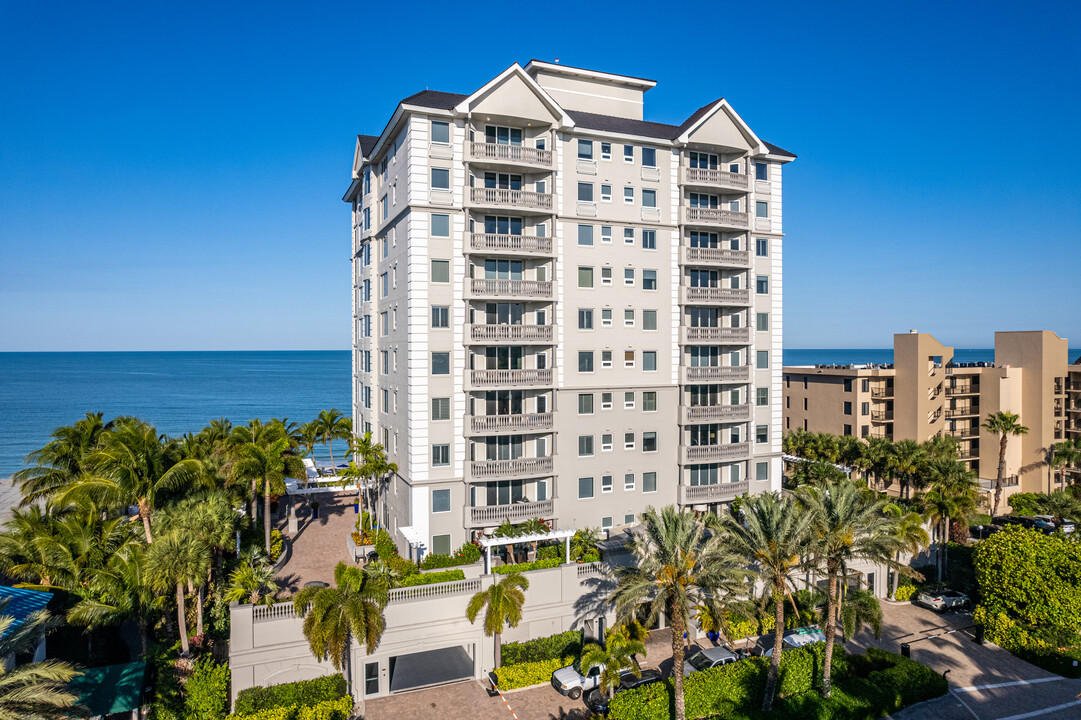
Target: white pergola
column 490, row 542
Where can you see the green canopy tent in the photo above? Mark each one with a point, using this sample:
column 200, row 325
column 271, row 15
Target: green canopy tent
column 111, row 689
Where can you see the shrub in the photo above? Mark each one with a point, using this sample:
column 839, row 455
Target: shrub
column 207, row 691
column 510, row 677
column 277, row 544
column 306, row 693
column 1026, row 503
column 340, row 709
column 904, row 593
column 526, row 567
column 431, row 578
column 467, row 554
column 739, row 629
column 568, row 644
column 589, row 556
column 547, row 552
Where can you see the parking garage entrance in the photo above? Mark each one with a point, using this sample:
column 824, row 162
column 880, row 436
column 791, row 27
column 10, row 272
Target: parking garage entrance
column 431, row 667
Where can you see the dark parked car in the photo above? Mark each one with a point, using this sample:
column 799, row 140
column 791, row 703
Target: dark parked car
column 1025, row 521
column 597, row 701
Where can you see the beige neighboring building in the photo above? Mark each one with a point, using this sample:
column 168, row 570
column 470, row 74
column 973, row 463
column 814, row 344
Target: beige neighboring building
column 923, row 395
column 562, row 310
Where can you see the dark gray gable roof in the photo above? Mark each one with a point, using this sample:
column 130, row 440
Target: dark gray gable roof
column 435, row 99
column 774, row 150
column 367, row 144
column 696, row 116
column 609, row 123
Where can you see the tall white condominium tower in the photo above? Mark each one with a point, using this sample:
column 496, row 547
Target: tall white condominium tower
column 563, row 311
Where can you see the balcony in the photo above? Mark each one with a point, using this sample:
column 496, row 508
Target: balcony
column 725, row 374
column 729, row 336
column 586, row 209
column 964, row 389
column 702, row 494
column 716, row 217
column 586, row 167
column 881, row 392
column 651, row 214
column 714, row 296
column 518, row 468
column 963, row 433
column 509, row 154
column 962, row 412
column 503, row 197
column 691, row 454
column 521, row 423
column 881, row 415
column 491, row 515
column 517, row 334
column 510, row 244
column 691, row 414
column 704, row 177
column 510, row 378
column 517, row 289
column 714, row 256
column 651, row 174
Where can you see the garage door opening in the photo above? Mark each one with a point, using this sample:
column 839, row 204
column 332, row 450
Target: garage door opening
column 431, row 667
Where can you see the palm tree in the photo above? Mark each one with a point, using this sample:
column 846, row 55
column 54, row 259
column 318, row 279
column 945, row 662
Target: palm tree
column 772, row 532
column 333, row 426
column 952, row 494
column 253, row 582
column 1066, row 454
column 847, row 526
column 269, row 461
column 909, row 531
column 178, row 559
column 503, row 602
column 678, row 566
column 36, row 690
column 122, row 591
column 308, row 437
column 534, row 526
column 906, row 460
column 879, row 452
column 133, row 467
column 62, row 461
column 861, row 608
column 334, row 616
column 507, row 529
column 1004, row 424
column 373, row 463
column 616, row 656
column 584, row 542
column 254, row 433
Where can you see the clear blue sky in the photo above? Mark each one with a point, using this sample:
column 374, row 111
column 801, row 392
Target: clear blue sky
column 171, row 174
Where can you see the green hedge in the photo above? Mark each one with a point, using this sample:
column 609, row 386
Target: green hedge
column 568, row 644
column 467, row 554
column 431, row 578
column 341, row 709
column 526, row 567
column 303, row 693
column 905, row 592
column 510, row 677
column 207, row 691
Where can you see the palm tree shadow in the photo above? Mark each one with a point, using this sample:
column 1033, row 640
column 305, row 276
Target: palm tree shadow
column 290, row 582
column 593, row 603
column 578, row 713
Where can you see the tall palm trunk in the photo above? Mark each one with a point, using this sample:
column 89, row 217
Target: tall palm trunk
column 832, row 606
column 778, row 640
column 266, row 515
column 1001, row 473
column 498, row 650
column 182, row 622
column 199, row 610
column 254, row 494
column 675, row 622
column 144, row 515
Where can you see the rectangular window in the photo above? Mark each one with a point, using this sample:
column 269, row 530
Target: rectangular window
column 585, row 361
column 761, row 209
column 585, row 445
column 441, row 544
column 585, row 488
column 649, row 482
column 440, row 455
column 628, row 358
column 649, row 401
column 440, row 316
column 649, row 279
column 606, row 522
column 371, row 678
column 848, row 430
column 606, row 233
column 606, row 193
column 440, row 132
column 649, row 319
column 761, row 471
column 761, row 284
column 865, row 408
column 606, row 316
column 628, row 482
column 440, row 408
column 628, row 519
column 585, row 319
column 762, row 322
column 585, row 404
column 649, row 442
column 628, row 153
column 585, row 192
column 649, row 198
column 761, row 247
column 628, row 277
column 585, row 277
column 628, row 318
column 441, row 363
column 628, row 441
column 606, row 151
column 761, row 396
column 848, row 407
column 384, row 323
column 649, row 157
column 606, row 442
column 762, row 360
column 606, row 276
column 440, row 501
column 606, row 483
column 628, row 400
column 585, row 235
column 848, row 384
column 440, row 179
column 606, row 355
column 649, row 239
column 386, row 213
column 865, row 385
column 440, row 271
column 628, row 195
column 761, row 171
column 585, row 149
column 440, row 225
column 649, row 361
column 761, row 433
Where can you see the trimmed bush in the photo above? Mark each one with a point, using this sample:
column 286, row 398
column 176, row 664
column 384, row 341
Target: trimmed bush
column 277, row 544
column 467, row 554
column 510, row 677
column 547, row 552
column 740, row 629
column 207, row 691
column 553, row 647
column 431, row 578
column 526, row 567
column 306, row 693
column 340, row 709
column 905, row 592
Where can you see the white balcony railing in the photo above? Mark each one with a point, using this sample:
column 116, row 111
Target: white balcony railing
column 714, row 413
column 511, row 288
column 726, row 374
column 651, row 214
column 715, row 256
column 586, row 209
column 522, row 422
column 503, row 197
column 515, row 513
column 512, row 333
column 718, row 492
column 511, row 244
column 509, row 378
column 510, row 154
column 716, row 217
column 440, row 151
column 710, row 453
column 651, row 174
column 441, row 197
column 722, row 296
column 586, row 167
column 714, row 178
column 484, row 469
column 731, row 336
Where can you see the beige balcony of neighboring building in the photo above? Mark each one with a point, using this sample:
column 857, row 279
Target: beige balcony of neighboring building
column 510, row 334
column 715, row 373
column 517, row 468
column 703, row 494
column 510, row 378
column 691, row 414
column 506, row 198
column 707, row 178
column 730, row 336
column 716, row 217
column 691, row 454
column 881, row 415
column 966, row 411
column 722, row 257
column 490, row 515
column 514, row 289
column 498, row 424
column 507, row 155
column 497, row 244
column 714, row 296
